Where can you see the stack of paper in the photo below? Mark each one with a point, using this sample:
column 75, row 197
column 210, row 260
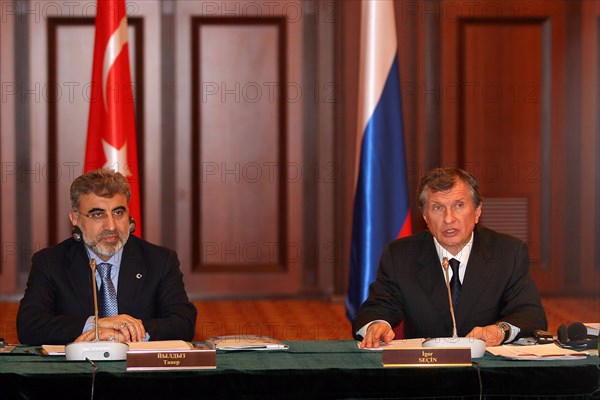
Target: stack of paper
column 593, row 328
column 536, row 352
column 160, row 345
column 246, row 342
column 398, row 344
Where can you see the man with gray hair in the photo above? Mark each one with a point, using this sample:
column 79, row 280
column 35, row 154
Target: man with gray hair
column 141, row 290
column 493, row 295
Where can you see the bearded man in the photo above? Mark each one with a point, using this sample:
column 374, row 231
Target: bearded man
column 141, row 292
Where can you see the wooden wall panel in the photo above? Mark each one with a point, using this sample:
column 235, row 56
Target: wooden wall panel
column 589, row 156
column 9, row 246
column 239, row 144
column 240, row 149
column 506, row 122
column 501, row 69
column 69, row 71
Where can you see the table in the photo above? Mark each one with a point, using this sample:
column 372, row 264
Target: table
column 308, row 370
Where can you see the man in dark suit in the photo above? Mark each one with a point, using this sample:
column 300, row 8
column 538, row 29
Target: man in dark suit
column 151, row 302
column 497, row 301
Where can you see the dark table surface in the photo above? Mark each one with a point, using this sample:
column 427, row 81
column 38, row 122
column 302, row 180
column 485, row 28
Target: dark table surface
column 309, row 369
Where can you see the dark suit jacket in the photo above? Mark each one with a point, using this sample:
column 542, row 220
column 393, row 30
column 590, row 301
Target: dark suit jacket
column 411, row 287
column 59, row 298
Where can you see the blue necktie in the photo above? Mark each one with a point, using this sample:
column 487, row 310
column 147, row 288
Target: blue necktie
column 455, row 284
column 108, row 294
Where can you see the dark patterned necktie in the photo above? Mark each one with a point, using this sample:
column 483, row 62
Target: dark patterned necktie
column 455, row 284
column 108, row 294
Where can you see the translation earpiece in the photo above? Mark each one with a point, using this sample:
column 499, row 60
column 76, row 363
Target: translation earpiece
column 575, row 336
column 562, row 335
column 131, row 224
column 577, row 331
column 76, row 233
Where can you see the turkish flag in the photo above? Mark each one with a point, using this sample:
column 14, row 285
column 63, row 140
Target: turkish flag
column 111, row 140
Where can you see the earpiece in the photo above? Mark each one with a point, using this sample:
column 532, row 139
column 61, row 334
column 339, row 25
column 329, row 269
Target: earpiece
column 577, row 331
column 575, row 336
column 76, row 233
column 131, row 224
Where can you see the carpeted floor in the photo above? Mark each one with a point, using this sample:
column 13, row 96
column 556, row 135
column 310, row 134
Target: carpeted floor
column 307, row 319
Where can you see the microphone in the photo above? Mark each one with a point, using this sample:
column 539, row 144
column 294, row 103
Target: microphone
column 97, row 349
column 95, row 291
column 477, row 346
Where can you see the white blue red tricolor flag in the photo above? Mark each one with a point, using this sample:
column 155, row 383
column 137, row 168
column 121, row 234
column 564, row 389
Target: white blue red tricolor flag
column 111, row 140
column 381, row 211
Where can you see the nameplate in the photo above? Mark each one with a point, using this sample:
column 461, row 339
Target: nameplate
column 171, row 360
column 427, row 357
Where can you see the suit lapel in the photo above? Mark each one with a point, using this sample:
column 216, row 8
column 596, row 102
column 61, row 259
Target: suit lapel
column 478, row 273
column 131, row 276
column 431, row 278
column 79, row 274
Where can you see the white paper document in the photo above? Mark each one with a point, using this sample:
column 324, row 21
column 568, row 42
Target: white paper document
column 537, row 352
column 53, row 349
column 160, row 345
column 593, row 328
column 246, row 342
column 398, row 344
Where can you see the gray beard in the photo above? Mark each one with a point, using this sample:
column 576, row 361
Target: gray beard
column 104, row 251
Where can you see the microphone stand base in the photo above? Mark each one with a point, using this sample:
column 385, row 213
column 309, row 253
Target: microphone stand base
column 96, row 351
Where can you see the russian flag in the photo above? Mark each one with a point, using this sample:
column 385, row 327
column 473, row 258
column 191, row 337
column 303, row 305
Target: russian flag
column 381, row 211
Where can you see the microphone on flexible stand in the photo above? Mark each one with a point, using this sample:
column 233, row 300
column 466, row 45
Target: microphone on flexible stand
column 95, row 291
column 445, row 265
column 97, row 349
column 477, row 346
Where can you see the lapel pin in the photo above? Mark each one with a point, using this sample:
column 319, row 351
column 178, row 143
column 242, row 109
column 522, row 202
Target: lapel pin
column 138, row 276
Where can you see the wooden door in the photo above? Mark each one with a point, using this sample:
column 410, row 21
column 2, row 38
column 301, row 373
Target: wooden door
column 508, row 94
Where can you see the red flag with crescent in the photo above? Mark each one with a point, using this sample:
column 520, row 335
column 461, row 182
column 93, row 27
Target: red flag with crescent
column 111, row 140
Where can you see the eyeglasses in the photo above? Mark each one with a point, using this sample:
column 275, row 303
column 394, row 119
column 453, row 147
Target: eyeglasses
column 101, row 215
